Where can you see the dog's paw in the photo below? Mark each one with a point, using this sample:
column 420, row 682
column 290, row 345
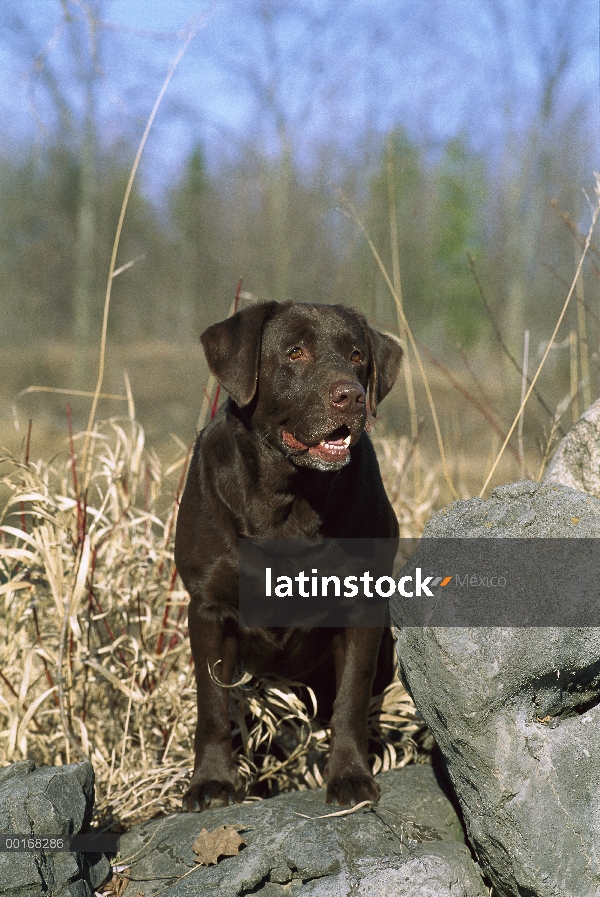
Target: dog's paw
column 202, row 795
column 348, row 790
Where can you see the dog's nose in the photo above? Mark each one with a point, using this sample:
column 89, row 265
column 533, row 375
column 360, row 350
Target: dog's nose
column 346, row 395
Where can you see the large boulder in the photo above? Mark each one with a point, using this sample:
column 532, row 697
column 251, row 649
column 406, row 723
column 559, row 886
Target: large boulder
column 515, row 710
column 50, row 802
column 576, row 461
column 410, row 845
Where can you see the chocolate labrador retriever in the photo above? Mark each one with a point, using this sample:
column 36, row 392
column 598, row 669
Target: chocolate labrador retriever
column 286, row 456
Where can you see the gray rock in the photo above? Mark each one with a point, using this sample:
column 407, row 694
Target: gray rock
column 520, row 510
column 576, row 462
column 516, row 712
column 54, row 802
column 411, row 845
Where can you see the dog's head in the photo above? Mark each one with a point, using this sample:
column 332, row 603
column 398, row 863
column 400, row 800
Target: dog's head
column 304, row 372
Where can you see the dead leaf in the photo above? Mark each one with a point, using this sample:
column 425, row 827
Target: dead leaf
column 115, row 887
column 223, row 841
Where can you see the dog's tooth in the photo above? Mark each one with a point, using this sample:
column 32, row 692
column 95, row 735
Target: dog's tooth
column 347, row 440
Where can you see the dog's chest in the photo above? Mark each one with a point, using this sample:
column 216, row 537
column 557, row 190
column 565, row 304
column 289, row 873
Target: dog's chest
column 284, row 516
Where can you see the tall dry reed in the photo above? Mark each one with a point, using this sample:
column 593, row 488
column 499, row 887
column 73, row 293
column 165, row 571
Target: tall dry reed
column 94, row 657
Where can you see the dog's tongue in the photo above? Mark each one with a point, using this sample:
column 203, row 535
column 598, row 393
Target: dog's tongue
column 329, row 449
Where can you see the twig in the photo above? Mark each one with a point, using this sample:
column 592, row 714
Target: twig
column 465, row 360
column 554, row 332
column 63, row 392
column 113, row 260
column 364, row 804
column 500, row 339
column 574, row 379
column 208, row 403
column 128, row 716
column 357, row 220
column 49, row 678
column 408, row 380
column 550, row 444
column 579, row 237
column 582, row 342
column 394, row 491
column 523, row 388
column 26, row 463
column 128, row 265
column 470, row 398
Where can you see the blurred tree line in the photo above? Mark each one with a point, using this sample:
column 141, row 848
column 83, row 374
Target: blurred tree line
column 280, row 219
column 213, row 228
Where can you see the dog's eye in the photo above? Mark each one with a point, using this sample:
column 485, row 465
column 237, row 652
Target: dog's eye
column 296, row 353
column 356, row 357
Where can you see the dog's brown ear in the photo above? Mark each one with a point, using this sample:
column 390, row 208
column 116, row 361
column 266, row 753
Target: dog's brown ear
column 386, row 358
column 232, row 350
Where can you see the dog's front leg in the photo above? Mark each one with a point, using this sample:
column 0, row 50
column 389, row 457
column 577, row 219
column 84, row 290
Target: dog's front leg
column 214, row 780
column 348, row 775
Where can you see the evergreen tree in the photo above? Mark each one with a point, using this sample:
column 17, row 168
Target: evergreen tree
column 461, row 196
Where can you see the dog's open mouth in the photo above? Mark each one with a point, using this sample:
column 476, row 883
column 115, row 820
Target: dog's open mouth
column 334, row 447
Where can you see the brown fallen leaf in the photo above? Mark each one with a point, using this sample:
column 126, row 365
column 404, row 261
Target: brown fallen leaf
column 223, row 841
column 115, row 887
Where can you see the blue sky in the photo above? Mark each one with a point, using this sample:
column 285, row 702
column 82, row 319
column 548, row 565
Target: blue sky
column 438, row 67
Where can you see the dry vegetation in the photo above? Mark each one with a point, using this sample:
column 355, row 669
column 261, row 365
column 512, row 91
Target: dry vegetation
column 94, row 658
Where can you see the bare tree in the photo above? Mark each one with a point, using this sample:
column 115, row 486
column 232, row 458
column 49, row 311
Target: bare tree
column 66, row 106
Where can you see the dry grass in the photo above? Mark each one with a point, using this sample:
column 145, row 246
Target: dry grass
column 94, row 656
column 413, row 508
